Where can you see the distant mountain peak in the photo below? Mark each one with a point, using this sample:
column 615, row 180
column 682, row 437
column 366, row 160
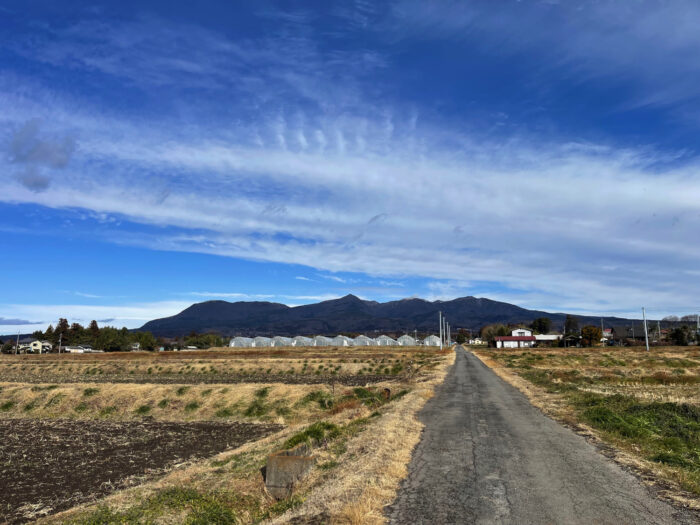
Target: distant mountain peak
column 346, row 314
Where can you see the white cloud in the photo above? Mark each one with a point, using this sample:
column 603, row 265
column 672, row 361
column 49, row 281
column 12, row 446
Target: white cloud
column 131, row 316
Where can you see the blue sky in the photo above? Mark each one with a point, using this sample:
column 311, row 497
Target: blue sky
column 536, row 152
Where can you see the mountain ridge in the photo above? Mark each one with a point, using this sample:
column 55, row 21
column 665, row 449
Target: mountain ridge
column 349, row 314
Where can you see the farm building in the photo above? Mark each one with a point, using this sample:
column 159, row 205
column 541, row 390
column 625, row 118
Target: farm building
column 341, row 340
column 406, row 340
column 431, row 340
column 521, row 332
column 385, row 340
column 300, row 340
column 515, row 341
column 278, row 340
column 260, row 342
column 363, row 340
column 241, row 342
column 321, row 340
column 548, row 338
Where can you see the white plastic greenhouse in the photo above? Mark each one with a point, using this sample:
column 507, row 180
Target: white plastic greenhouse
column 363, row 340
column 259, row 342
column 406, row 340
column 341, row 340
column 321, row 340
column 431, row 340
column 241, row 342
column 385, row 340
column 278, row 340
column 300, row 340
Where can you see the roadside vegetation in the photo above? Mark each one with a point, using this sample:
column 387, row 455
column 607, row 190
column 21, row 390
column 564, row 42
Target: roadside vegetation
column 645, row 404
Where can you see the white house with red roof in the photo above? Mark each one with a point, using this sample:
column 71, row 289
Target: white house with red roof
column 518, row 338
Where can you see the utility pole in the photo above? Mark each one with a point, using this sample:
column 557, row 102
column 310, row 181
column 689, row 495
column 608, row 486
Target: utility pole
column 658, row 331
column 646, row 334
column 60, row 338
column 440, row 321
column 17, row 345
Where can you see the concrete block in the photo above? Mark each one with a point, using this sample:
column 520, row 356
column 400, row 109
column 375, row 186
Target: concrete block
column 285, row 468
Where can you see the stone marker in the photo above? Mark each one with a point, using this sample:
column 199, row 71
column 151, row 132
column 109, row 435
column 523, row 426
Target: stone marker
column 285, row 468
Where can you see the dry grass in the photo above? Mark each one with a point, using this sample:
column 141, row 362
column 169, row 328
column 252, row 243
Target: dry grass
column 378, row 458
column 281, row 403
column 223, row 361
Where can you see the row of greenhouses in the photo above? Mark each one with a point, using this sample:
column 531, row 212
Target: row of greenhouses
column 339, row 340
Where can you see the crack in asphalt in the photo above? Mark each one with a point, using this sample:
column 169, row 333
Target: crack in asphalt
column 486, row 455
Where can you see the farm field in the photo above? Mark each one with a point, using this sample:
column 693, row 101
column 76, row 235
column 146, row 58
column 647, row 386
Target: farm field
column 646, row 405
column 181, row 437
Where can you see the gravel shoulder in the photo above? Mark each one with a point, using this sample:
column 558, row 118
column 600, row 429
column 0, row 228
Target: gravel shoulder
column 488, row 456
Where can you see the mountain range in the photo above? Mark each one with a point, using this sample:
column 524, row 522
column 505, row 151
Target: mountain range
column 349, row 314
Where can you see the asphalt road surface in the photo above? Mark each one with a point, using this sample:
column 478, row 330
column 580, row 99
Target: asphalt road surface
column 488, row 456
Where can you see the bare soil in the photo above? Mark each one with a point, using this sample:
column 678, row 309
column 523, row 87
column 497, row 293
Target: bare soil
column 48, row 466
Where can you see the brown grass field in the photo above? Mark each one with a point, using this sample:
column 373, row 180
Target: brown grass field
column 180, row 437
column 643, row 408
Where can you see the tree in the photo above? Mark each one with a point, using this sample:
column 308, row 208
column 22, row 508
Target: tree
column 49, row 335
column 461, row 337
column 62, row 330
column 542, row 325
column 94, row 332
column 679, row 336
column 591, row 335
column 489, row 332
column 570, row 325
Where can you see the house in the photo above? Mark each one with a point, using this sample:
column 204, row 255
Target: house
column 135, row 347
column 476, row 341
column 406, row 340
column 515, row 341
column 521, row 332
column 34, row 346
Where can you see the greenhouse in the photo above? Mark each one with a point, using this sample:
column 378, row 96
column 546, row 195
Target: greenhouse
column 300, row 340
column 321, row 340
column 431, row 340
column 259, row 342
column 278, row 340
column 241, row 342
column 406, row 340
column 363, row 340
column 341, row 340
column 385, row 340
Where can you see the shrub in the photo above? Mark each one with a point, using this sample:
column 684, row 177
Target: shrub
column 90, row 391
column 143, row 409
column 316, row 433
column 192, row 406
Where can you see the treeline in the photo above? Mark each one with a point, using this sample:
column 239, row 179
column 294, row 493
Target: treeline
column 111, row 339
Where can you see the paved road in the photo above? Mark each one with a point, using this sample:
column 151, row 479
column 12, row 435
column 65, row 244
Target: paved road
column 488, row 456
